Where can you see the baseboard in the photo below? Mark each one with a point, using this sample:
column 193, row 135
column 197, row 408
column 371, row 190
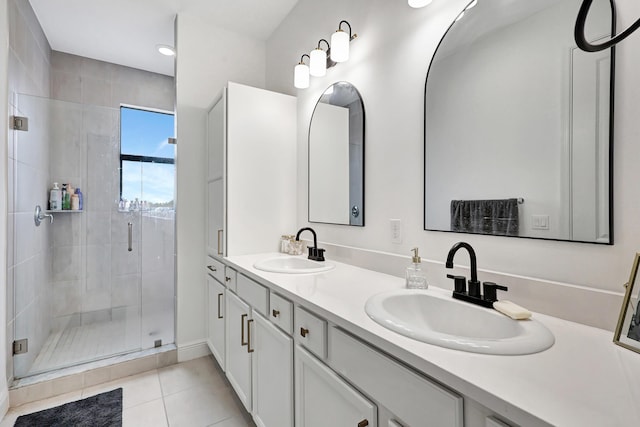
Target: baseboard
column 4, row 402
column 192, row 350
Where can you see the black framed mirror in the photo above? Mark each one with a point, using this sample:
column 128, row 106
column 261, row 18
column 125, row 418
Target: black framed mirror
column 336, row 157
column 518, row 137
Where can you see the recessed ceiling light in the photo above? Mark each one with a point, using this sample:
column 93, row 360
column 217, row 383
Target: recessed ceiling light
column 419, row 3
column 166, row 50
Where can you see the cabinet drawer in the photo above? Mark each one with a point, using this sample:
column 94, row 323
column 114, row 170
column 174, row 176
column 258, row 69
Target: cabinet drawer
column 254, row 293
column 392, row 385
column 281, row 313
column 311, row 331
column 215, row 269
column 230, row 277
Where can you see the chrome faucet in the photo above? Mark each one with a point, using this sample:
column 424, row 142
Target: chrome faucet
column 315, row 253
column 460, row 287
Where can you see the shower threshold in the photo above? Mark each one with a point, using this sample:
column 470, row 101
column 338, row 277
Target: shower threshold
column 103, row 370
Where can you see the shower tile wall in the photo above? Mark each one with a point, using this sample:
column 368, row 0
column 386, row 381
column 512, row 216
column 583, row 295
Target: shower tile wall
column 28, row 254
column 108, row 286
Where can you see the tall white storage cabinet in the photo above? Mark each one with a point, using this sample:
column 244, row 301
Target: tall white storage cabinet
column 251, row 179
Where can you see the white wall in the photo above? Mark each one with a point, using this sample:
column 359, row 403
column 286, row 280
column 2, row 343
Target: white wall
column 388, row 65
column 208, row 57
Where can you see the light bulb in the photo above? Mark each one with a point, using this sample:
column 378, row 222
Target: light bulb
column 318, row 63
column 340, row 46
column 419, row 3
column 301, row 76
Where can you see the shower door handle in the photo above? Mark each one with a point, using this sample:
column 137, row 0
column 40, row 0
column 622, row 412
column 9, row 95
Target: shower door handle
column 130, row 226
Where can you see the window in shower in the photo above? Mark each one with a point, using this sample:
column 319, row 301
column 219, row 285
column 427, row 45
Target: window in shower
column 145, row 151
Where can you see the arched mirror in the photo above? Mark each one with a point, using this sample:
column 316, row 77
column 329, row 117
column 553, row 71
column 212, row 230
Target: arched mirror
column 517, row 123
column 336, row 157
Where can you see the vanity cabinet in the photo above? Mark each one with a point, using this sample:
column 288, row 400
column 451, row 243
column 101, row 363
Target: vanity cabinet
column 394, row 386
column 259, row 356
column 216, row 319
column 251, row 145
column 239, row 348
column 324, row 399
column 272, row 374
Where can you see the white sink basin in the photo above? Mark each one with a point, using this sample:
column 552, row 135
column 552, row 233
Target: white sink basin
column 434, row 317
column 292, row 265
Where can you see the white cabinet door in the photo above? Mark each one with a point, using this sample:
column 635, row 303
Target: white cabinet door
column 272, row 374
column 324, row 399
column 216, row 319
column 215, row 218
column 238, row 357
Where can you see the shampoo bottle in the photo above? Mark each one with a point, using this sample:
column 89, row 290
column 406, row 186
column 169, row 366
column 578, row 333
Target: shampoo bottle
column 55, row 198
column 416, row 277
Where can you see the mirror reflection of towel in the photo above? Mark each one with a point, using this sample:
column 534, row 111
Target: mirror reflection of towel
column 497, row 217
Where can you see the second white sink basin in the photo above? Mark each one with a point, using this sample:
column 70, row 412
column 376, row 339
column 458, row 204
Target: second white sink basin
column 292, row 265
column 434, row 317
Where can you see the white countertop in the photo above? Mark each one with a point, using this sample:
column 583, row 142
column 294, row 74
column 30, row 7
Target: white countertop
column 583, row 380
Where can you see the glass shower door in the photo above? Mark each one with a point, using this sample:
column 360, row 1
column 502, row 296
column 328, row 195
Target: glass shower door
column 96, row 282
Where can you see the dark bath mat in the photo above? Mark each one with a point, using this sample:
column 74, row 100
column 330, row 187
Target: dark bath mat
column 102, row 410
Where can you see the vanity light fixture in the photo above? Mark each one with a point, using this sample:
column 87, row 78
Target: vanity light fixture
column 166, row 50
column 419, row 3
column 301, row 74
column 318, row 60
column 340, row 43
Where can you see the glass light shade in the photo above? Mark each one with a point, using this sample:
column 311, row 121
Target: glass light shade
column 301, row 76
column 340, row 46
column 318, row 63
column 419, row 3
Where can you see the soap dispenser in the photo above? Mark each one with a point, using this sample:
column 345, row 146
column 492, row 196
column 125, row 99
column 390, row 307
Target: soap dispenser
column 416, row 276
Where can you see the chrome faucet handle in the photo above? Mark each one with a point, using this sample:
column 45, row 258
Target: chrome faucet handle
column 39, row 216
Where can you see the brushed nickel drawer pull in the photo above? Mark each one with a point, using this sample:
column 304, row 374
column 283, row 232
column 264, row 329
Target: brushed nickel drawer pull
column 226, row 279
column 242, row 342
column 219, row 314
column 212, row 268
column 220, row 242
column 275, row 312
column 249, row 349
column 304, row 332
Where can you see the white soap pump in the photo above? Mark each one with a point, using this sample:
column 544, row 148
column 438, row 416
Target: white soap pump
column 416, row 276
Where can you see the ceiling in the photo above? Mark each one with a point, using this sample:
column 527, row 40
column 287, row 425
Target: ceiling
column 126, row 32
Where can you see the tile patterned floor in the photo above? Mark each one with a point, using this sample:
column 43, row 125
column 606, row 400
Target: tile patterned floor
column 194, row 393
column 84, row 343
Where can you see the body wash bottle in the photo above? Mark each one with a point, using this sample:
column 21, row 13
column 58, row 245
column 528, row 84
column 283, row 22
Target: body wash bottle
column 416, row 277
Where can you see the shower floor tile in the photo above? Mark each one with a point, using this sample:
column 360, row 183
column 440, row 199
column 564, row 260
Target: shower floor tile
column 85, row 343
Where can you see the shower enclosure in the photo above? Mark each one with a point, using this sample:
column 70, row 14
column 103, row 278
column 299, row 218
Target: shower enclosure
column 96, row 282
